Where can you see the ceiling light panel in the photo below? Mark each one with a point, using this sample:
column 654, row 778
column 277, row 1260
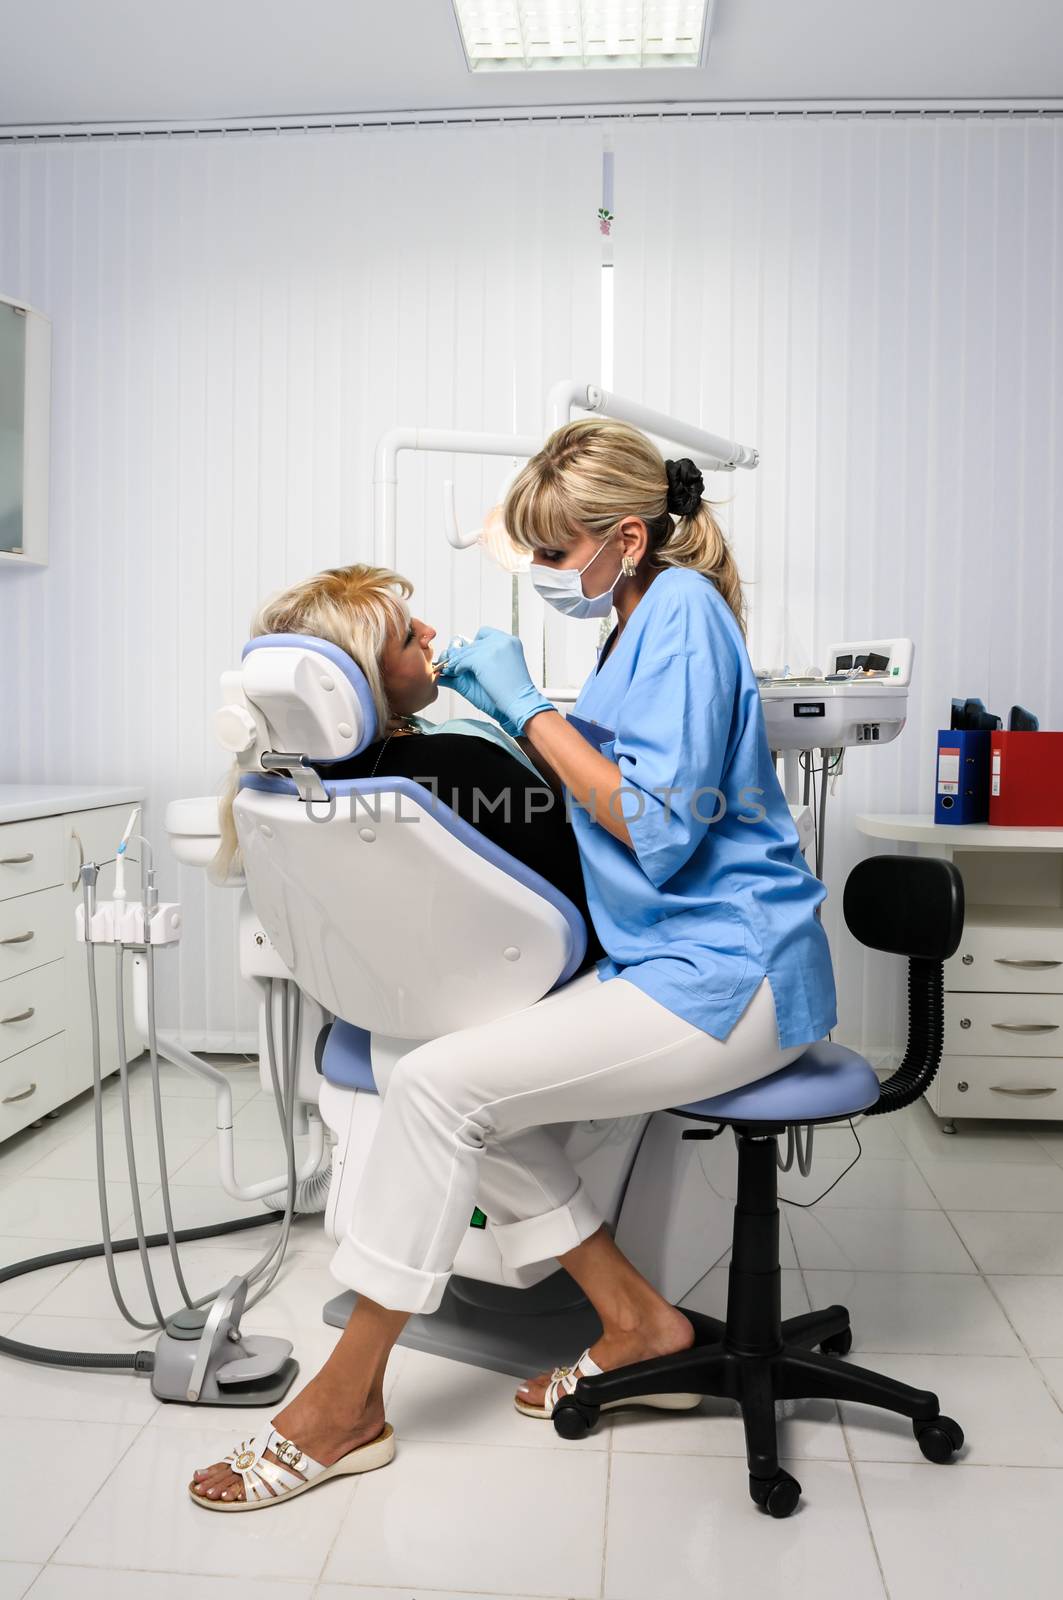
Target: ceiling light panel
column 560, row 35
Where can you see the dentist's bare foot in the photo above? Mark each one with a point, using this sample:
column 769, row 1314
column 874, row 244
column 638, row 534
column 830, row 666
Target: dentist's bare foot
column 320, row 1421
column 665, row 1333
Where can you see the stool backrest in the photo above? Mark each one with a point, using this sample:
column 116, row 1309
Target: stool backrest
column 910, row 906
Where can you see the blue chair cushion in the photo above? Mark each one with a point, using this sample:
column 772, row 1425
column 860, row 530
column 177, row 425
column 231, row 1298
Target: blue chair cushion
column 346, row 1059
column 827, row 1081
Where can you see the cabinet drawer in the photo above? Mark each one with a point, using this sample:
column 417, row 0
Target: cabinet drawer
column 31, row 855
column 1018, row 949
column 31, row 1083
column 1004, row 1024
column 32, row 930
column 31, row 1008
column 978, row 1086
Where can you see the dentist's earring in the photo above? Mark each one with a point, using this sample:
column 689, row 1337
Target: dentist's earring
column 627, row 566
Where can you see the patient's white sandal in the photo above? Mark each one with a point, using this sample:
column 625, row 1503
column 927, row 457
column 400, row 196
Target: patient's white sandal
column 266, row 1483
column 563, row 1380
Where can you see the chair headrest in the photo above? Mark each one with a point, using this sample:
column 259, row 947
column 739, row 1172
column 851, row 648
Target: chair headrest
column 295, row 694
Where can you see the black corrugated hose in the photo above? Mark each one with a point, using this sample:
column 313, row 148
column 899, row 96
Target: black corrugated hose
column 108, row 1361
column 926, row 1035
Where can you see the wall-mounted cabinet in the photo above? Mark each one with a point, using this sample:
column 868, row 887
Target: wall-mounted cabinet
column 25, row 411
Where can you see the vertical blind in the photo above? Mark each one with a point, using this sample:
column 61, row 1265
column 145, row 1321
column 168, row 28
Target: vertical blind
column 236, row 320
column 875, row 304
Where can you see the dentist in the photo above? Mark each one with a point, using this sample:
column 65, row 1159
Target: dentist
column 717, row 970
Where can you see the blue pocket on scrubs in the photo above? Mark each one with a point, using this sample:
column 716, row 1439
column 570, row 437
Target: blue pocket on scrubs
column 593, row 732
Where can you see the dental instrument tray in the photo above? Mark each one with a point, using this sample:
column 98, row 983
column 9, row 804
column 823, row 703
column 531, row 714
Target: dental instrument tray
column 861, row 698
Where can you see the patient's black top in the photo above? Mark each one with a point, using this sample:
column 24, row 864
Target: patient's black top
column 493, row 792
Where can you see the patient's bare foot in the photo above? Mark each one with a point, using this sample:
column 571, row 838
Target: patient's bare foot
column 319, row 1420
column 664, row 1332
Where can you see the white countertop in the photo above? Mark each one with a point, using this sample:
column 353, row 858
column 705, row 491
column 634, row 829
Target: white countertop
column 916, row 827
column 21, row 801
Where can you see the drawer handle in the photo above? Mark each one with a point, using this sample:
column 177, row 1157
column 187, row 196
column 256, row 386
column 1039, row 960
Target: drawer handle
column 16, row 861
column 1026, row 1027
column 20, row 1016
column 23, row 1094
column 1023, row 1094
column 75, row 838
column 18, row 938
column 1028, row 966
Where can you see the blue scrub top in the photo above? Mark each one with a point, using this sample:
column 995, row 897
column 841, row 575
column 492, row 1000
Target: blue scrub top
column 715, row 894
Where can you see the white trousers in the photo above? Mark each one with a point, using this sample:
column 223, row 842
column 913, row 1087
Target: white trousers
column 464, row 1122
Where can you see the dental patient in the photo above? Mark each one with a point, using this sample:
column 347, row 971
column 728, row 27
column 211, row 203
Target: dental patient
column 471, row 766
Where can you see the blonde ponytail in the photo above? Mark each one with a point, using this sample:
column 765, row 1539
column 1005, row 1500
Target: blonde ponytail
column 593, row 473
column 699, row 542
column 356, row 608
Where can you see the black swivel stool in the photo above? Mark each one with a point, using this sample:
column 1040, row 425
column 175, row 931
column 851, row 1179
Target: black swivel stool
column 909, row 906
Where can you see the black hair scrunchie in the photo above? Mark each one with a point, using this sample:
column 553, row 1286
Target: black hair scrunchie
column 685, row 487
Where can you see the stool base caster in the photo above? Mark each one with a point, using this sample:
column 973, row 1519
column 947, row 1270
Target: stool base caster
column 839, row 1344
column 573, row 1419
column 938, row 1438
column 777, row 1496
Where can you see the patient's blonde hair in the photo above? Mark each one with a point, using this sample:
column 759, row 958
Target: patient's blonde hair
column 593, row 473
column 356, row 608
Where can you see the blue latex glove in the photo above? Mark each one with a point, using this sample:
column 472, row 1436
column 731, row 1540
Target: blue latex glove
column 492, row 674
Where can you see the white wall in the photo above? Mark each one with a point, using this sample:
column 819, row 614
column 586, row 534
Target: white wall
column 236, row 321
column 876, row 304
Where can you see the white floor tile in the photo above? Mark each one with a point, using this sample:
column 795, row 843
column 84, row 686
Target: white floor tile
column 1007, row 1413
column 1052, row 1369
column 23, row 1294
column 982, row 1143
column 981, row 1532
column 61, row 1393
column 86, row 1292
column 1035, row 1309
column 954, row 1314
column 196, row 1206
column 682, row 1525
column 76, row 1157
column 809, row 1430
column 472, row 1518
column 447, row 1402
column 57, row 1208
column 176, row 1082
column 869, row 1241
column 878, row 1139
column 58, row 1474
column 1013, row 1241
column 1051, row 1141
column 144, row 1518
column 256, row 1119
column 995, row 1186
column 343, row 1591
column 90, row 1583
column 254, row 1160
column 187, row 1116
column 15, row 1578
column 885, row 1185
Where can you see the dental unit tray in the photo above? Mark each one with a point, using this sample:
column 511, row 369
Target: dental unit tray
column 861, row 698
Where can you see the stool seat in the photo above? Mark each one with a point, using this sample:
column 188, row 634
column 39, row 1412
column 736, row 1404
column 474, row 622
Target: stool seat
column 825, row 1082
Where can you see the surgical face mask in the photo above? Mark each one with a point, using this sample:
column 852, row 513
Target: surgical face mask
column 562, row 588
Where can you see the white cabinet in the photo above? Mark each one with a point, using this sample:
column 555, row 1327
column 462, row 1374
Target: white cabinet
column 45, row 1039
column 1003, row 1054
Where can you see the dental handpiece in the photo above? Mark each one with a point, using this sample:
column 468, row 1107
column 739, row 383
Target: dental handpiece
column 440, row 663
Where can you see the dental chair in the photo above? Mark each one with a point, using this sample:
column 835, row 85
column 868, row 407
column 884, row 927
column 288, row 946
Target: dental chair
column 907, row 906
column 399, row 922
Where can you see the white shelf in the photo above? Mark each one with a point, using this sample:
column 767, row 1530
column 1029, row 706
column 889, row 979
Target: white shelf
column 914, row 827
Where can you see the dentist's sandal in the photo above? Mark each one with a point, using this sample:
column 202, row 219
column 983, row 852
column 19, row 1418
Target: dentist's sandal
column 267, row 1481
